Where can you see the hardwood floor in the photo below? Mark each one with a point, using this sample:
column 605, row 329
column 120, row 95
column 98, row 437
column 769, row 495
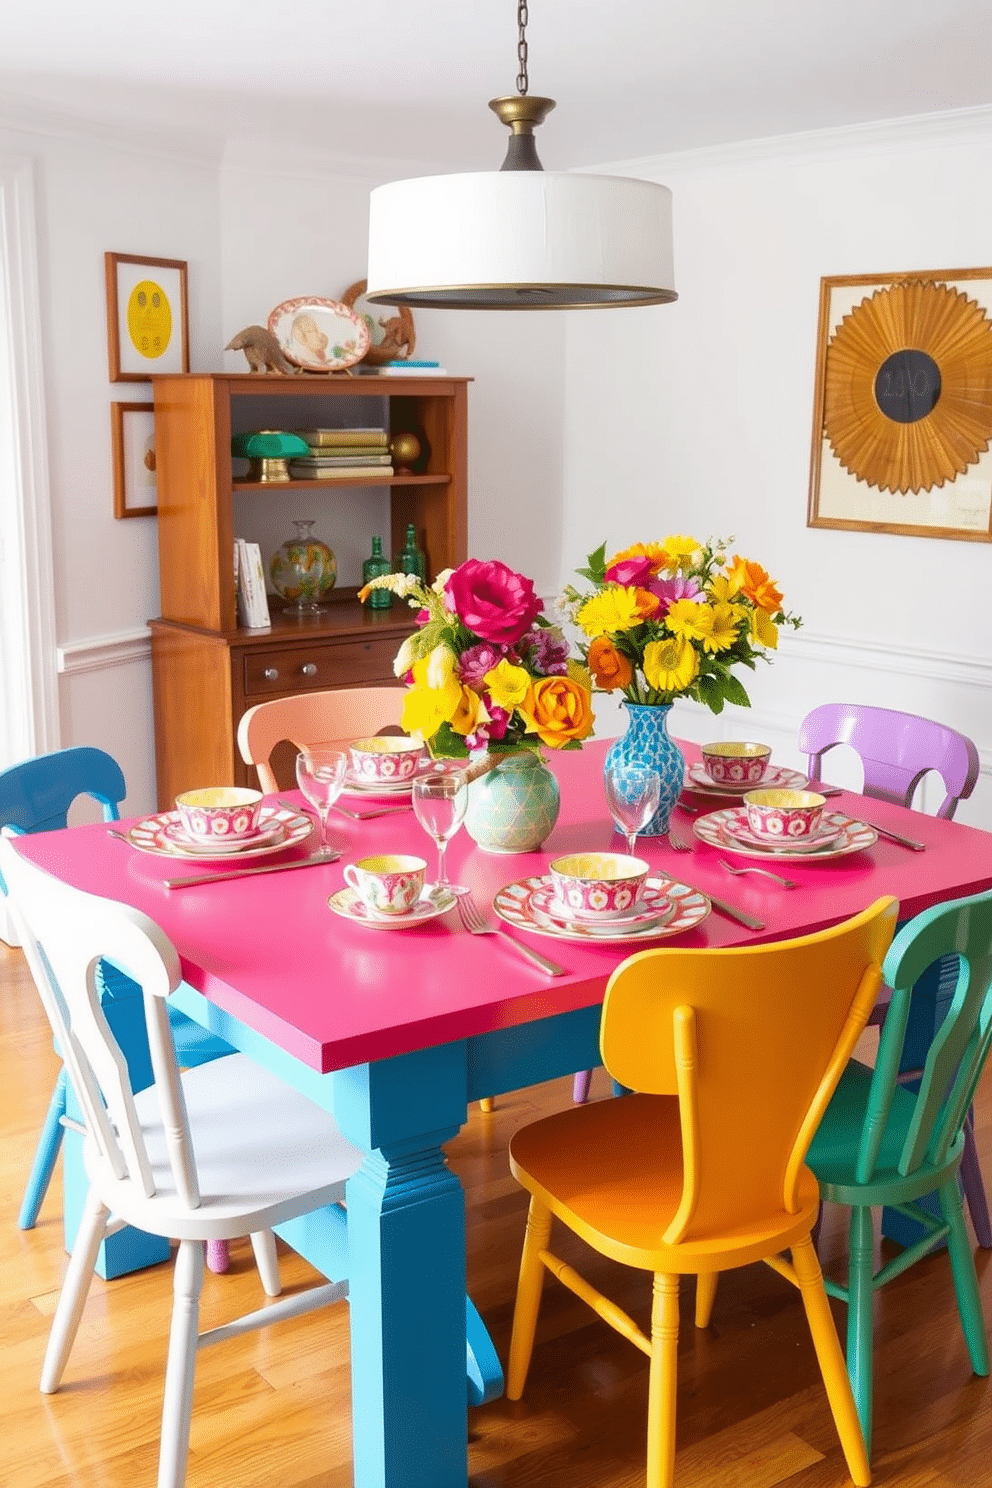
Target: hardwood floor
column 272, row 1409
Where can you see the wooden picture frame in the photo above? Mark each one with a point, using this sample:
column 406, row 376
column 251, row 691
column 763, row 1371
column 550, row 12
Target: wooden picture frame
column 147, row 316
column 902, row 408
column 132, row 428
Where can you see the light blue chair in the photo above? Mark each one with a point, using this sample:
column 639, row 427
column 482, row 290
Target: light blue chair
column 35, row 796
column 882, row 1143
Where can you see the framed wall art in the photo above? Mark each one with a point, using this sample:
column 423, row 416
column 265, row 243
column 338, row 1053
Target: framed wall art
column 147, row 316
column 132, row 427
column 902, row 412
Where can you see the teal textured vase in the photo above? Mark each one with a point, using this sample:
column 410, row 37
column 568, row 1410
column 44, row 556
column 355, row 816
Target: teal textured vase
column 515, row 806
column 647, row 742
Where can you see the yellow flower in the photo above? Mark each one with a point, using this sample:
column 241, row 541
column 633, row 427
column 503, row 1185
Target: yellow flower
column 726, row 621
column 425, row 708
column 405, row 657
column 670, row 666
column 689, row 620
column 610, row 610
column 441, row 666
column 725, row 587
column 507, row 685
column 683, row 552
column 558, row 710
column 654, row 552
column 471, row 711
column 609, row 667
column 764, row 630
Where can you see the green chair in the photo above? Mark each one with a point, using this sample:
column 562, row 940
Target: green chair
column 882, row 1143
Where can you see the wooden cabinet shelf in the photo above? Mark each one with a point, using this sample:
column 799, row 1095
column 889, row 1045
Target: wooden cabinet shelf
column 206, row 669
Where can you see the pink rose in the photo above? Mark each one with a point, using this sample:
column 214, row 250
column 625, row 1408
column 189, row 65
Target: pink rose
column 496, row 728
column 632, row 573
column 492, row 601
column 474, row 663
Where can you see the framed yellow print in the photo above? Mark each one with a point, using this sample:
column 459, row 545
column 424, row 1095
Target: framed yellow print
column 147, row 316
column 902, row 412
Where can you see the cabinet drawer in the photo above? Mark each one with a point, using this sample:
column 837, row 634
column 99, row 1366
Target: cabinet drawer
column 323, row 664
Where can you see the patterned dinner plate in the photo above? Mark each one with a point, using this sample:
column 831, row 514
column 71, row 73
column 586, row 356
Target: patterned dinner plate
column 267, row 831
column 826, row 834
column 433, row 902
column 776, row 777
column 156, row 835
column 653, row 906
column 518, row 903
column 723, row 829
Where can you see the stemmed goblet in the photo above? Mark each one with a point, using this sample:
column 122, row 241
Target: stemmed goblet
column 320, row 774
column 440, row 799
column 632, row 795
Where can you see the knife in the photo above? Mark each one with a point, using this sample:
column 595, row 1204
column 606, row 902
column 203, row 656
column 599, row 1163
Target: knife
column 892, row 836
column 188, row 883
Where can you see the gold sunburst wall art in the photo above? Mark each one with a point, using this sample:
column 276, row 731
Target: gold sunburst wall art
column 902, row 417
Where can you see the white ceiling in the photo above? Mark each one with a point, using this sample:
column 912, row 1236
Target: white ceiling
column 387, row 84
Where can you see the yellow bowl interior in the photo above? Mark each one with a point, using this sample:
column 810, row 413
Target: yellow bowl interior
column 785, row 799
column 599, row 866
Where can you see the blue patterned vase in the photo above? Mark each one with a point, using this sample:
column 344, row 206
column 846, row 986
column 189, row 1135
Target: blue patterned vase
column 513, row 808
column 647, row 742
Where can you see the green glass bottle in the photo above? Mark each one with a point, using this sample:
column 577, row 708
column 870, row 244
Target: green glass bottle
column 374, row 568
column 411, row 560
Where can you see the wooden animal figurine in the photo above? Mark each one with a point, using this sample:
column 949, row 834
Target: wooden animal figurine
column 262, row 350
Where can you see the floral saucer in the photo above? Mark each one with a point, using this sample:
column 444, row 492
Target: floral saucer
column 433, row 902
column 722, row 829
column 519, row 903
column 653, row 906
column 269, row 830
column 157, row 835
column 827, row 832
column 776, row 777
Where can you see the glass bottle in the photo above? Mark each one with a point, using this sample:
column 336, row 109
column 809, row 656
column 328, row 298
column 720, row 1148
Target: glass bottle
column 411, row 560
column 303, row 570
column 376, row 567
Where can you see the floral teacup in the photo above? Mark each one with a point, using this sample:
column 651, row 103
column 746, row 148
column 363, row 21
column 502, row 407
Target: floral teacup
column 389, row 884
column 385, row 759
column 598, row 885
column 784, row 814
column 729, row 762
column 219, row 811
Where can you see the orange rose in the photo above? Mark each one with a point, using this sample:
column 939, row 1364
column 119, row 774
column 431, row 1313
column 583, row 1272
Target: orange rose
column 756, row 586
column 609, row 667
column 558, row 710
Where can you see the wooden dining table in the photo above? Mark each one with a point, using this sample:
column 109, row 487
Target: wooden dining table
column 397, row 1032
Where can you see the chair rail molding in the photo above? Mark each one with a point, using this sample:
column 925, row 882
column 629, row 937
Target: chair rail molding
column 29, row 720
column 96, row 653
column 888, row 657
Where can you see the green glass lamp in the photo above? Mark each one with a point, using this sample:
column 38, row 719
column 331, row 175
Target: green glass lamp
column 268, row 450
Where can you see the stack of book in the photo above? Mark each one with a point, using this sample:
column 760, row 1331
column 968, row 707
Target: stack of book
column 249, row 583
column 403, row 368
column 342, row 454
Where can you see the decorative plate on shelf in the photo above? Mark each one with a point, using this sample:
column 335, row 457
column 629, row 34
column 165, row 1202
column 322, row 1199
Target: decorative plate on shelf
column 279, row 828
column 319, row 335
column 725, row 829
column 519, row 903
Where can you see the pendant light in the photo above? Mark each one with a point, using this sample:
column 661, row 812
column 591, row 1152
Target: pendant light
column 520, row 238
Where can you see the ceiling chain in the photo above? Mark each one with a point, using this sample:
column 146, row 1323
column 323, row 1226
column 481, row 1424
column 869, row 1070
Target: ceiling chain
column 522, row 19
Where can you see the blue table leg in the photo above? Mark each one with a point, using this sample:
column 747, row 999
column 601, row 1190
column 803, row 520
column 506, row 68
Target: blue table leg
column 406, row 1245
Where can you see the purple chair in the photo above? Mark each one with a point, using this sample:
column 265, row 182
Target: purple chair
column 896, row 751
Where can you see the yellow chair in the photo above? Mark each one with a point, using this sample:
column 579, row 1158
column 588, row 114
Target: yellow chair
column 734, row 1055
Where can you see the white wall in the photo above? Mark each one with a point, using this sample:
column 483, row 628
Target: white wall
column 701, row 421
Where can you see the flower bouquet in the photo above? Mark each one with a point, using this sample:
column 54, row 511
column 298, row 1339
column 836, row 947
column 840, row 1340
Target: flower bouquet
column 486, row 670
column 668, row 620
column 489, row 675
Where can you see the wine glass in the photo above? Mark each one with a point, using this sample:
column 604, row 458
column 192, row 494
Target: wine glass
column 632, row 794
column 440, row 799
column 320, row 775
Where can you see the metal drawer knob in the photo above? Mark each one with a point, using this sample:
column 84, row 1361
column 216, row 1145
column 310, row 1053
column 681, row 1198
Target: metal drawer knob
column 270, row 674
column 309, row 669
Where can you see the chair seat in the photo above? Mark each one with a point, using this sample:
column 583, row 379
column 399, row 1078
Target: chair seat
column 834, row 1157
column 570, row 1161
column 252, row 1175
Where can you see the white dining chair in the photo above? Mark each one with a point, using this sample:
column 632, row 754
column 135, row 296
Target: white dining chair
column 217, row 1152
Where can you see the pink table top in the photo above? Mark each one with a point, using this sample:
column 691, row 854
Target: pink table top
column 268, row 951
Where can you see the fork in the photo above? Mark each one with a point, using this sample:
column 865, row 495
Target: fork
column 471, row 918
column 787, row 883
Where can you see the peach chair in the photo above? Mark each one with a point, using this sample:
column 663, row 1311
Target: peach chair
column 335, row 716
column 733, row 1055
